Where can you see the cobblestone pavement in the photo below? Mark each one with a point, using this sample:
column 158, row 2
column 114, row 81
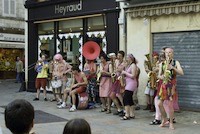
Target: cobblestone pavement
column 101, row 123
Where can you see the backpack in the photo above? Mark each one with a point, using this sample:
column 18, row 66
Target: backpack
column 83, row 101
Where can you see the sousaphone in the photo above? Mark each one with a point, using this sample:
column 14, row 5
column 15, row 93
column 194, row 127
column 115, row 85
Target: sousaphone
column 91, row 50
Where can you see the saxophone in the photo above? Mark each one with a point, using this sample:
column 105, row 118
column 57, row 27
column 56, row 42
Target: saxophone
column 98, row 74
column 167, row 73
column 151, row 75
column 113, row 74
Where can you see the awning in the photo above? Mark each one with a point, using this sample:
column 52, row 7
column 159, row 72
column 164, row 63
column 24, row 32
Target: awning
column 4, row 44
column 164, row 9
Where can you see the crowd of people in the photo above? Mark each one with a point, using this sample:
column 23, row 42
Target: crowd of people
column 115, row 80
column 19, row 119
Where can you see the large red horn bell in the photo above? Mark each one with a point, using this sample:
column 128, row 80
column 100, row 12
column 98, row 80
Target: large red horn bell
column 91, row 50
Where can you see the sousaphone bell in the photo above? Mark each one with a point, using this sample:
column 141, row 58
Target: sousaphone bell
column 91, row 50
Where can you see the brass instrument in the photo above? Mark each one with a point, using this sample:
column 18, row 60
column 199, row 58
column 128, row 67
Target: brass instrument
column 152, row 75
column 121, row 78
column 167, row 73
column 98, row 74
column 113, row 74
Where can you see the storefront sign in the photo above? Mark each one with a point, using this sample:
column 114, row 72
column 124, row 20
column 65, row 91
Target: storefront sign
column 12, row 37
column 68, row 8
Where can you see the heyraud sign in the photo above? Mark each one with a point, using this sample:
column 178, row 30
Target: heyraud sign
column 68, row 8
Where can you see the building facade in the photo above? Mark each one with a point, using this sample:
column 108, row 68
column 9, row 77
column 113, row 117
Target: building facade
column 152, row 24
column 63, row 26
column 11, row 36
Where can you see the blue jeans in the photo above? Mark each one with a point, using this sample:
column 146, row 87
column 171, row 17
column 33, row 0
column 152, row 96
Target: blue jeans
column 19, row 77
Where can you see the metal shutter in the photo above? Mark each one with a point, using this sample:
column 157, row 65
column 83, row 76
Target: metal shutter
column 187, row 51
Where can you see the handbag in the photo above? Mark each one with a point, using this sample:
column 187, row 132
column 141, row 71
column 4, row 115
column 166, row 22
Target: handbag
column 56, row 83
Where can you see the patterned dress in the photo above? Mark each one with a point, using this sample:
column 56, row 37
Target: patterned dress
column 92, row 83
column 167, row 89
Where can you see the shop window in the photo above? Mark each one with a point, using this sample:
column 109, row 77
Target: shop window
column 71, row 26
column 69, row 35
column 46, row 39
column 9, row 8
column 7, row 62
column 96, row 23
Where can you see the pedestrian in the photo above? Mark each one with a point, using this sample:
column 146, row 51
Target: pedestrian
column 19, row 70
column 168, row 93
column 77, row 126
column 19, row 116
column 41, row 68
column 131, row 85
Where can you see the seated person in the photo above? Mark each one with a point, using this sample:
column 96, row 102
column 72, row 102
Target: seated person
column 77, row 126
column 19, row 116
column 79, row 83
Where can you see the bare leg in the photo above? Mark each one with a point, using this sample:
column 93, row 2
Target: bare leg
column 73, row 94
column 171, row 114
column 103, row 101
column 132, row 111
column 148, row 102
column 121, row 99
column 114, row 99
column 38, row 93
column 127, row 109
column 45, row 93
column 163, row 113
column 109, row 105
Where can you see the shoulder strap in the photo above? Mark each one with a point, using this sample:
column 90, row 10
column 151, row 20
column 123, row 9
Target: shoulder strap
column 174, row 63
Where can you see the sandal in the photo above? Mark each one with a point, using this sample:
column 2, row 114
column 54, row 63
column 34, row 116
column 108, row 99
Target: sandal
column 103, row 110
column 125, row 118
column 155, row 122
column 173, row 120
column 108, row 111
column 53, row 100
column 132, row 117
column 164, row 123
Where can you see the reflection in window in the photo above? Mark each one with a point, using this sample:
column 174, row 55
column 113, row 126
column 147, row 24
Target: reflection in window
column 46, row 41
column 96, row 23
column 70, row 26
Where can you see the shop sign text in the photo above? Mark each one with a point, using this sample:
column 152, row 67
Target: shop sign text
column 68, row 8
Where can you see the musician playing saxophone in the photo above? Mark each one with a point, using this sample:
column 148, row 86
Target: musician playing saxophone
column 167, row 93
column 117, row 88
column 151, row 69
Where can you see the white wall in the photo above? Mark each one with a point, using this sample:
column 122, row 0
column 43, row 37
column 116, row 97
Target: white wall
column 139, row 40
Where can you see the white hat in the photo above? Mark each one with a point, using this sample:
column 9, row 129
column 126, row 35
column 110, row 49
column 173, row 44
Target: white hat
column 111, row 54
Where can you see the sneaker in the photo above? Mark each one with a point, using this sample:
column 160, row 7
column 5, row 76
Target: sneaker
column 61, row 106
column 36, row 99
column 72, row 109
column 45, row 99
column 59, row 103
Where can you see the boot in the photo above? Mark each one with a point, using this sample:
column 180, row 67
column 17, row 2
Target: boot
column 148, row 107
